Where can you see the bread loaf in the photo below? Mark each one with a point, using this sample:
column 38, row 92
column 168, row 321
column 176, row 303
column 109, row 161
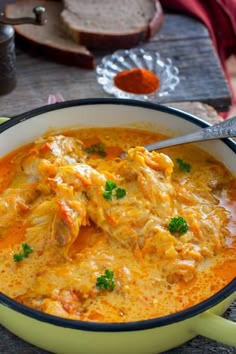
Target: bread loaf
column 74, row 25
column 109, row 24
column 50, row 39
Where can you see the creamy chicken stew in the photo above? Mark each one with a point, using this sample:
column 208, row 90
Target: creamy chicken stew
column 85, row 235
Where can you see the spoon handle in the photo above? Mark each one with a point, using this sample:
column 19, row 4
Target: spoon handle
column 224, row 129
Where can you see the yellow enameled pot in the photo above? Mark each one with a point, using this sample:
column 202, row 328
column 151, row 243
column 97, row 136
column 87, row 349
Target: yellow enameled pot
column 64, row 336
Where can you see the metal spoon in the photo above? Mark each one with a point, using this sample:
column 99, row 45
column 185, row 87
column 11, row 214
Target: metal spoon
column 225, row 129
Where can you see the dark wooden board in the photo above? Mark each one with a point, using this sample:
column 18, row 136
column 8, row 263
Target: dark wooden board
column 183, row 39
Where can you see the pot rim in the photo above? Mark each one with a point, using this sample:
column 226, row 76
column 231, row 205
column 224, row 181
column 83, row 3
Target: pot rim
column 116, row 101
column 123, row 326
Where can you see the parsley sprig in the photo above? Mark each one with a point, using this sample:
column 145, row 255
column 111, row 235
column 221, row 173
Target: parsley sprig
column 105, row 281
column 26, row 250
column 183, row 166
column 98, row 149
column 178, row 226
column 112, row 190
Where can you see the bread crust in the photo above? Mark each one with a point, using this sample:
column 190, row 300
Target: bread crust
column 109, row 41
column 104, row 41
column 156, row 22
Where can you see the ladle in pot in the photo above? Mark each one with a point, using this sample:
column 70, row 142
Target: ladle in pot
column 225, row 129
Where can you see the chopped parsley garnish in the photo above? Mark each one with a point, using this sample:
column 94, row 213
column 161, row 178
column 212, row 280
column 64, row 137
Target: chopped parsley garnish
column 178, row 226
column 183, row 166
column 112, row 190
column 120, row 193
column 26, row 250
column 107, row 195
column 110, row 185
column 106, row 282
column 98, row 149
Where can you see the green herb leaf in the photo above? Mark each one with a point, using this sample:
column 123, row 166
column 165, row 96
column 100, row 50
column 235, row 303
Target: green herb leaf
column 183, row 166
column 112, row 190
column 178, row 226
column 26, row 250
column 107, row 195
column 120, row 193
column 98, row 149
column 110, row 185
column 106, row 282
column 18, row 257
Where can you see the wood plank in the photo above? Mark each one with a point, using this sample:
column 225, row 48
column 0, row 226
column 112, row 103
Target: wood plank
column 178, row 26
column 201, row 78
column 201, row 75
column 185, row 40
column 3, row 3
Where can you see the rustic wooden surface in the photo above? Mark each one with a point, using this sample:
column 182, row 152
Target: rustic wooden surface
column 183, row 39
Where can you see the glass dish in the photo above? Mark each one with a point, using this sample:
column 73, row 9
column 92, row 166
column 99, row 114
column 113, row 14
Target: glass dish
column 141, row 58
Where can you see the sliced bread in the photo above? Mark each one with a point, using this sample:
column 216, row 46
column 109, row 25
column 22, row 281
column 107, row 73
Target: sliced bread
column 111, row 24
column 50, row 39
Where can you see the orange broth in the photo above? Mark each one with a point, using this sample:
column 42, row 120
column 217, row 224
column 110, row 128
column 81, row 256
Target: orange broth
column 52, row 199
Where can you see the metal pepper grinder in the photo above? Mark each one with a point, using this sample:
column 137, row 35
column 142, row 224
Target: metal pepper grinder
column 7, row 46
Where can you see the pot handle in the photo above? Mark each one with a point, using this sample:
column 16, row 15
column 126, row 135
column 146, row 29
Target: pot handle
column 215, row 327
column 4, row 119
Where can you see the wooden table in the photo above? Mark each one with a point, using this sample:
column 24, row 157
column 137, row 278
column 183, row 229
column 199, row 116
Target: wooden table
column 184, row 40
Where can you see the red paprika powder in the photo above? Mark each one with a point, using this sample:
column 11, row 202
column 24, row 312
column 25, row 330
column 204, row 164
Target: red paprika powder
column 137, row 80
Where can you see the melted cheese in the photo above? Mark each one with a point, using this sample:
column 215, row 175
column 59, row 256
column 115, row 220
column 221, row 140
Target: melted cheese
column 52, row 199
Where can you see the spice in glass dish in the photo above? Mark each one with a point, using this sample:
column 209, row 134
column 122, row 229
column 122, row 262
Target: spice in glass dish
column 137, row 80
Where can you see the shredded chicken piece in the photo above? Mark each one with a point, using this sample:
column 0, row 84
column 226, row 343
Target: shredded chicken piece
column 71, row 193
